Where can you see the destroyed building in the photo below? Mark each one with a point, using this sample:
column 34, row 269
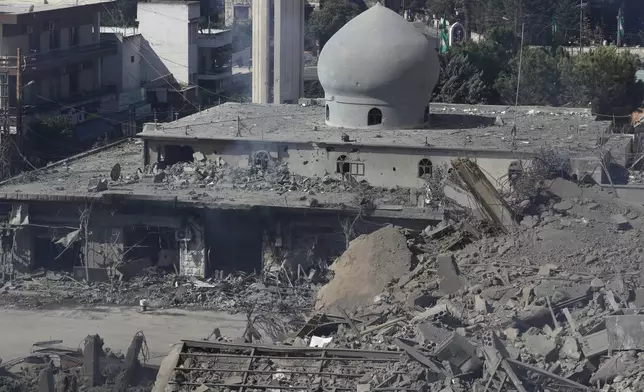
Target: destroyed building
column 243, row 186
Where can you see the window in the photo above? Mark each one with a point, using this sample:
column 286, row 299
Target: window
column 74, row 36
column 194, row 28
column 357, row 169
column 54, row 39
column 131, row 59
column 74, row 83
column 261, row 160
column 34, row 42
column 374, row 117
column 327, row 112
column 424, row 167
column 426, row 115
column 515, row 171
column 342, row 165
column 241, row 12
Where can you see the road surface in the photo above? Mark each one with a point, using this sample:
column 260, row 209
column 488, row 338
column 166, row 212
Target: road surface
column 116, row 325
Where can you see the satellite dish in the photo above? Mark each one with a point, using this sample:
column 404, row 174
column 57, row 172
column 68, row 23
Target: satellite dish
column 115, row 174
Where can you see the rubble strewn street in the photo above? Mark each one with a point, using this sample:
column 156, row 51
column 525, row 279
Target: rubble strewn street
column 546, row 298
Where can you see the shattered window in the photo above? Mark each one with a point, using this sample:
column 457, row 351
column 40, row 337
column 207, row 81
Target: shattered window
column 424, row 167
column 343, row 166
column 261, row 160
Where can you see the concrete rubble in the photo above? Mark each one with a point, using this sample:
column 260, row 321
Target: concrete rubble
column 548, row 306
column 53, row 367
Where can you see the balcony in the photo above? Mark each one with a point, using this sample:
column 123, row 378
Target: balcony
column 215, row 73
column 38, row 62
column 41, row 105
column 212, row 38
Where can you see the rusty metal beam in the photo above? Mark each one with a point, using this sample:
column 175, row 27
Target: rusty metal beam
column 339, row 352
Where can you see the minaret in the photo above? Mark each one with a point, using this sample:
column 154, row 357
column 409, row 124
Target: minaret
column 261, row 47
column 285, row 19
column 288, row 80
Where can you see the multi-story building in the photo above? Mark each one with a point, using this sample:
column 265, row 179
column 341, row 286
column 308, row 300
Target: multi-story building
column 51, row 60
column 238, row 10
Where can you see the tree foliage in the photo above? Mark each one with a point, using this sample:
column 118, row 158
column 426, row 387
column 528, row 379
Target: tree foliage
column 51, row 138
column 330, row 18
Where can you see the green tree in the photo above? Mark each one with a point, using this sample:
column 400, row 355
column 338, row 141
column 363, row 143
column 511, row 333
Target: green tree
column 540, row 80
column 604, row 78
column 460, row 81
column 51, row 138
column 331, row 17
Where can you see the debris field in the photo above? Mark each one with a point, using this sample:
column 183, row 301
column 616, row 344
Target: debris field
column 553, row 303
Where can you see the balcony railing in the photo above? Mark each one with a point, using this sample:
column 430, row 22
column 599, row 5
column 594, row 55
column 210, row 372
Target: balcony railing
column 60, row 57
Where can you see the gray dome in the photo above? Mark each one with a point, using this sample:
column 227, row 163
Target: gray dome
column 378, row 71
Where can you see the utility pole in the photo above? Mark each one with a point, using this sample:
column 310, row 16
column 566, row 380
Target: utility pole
column 19, row 135
column 5, row 157
column 581, row 24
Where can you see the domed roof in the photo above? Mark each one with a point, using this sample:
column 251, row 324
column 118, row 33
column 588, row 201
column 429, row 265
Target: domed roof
column 379, row 57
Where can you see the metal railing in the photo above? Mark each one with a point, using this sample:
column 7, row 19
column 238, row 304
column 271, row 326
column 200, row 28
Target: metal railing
column 33, row 60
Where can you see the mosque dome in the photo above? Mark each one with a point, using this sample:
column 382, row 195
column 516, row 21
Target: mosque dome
column 378, row 71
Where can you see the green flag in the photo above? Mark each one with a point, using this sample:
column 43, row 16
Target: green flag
column 620, row 27
column 554, row 29
column 444, row 37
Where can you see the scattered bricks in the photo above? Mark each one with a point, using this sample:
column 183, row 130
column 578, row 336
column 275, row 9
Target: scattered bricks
column 433, row 313
column 570, row 349
column 159, row 177
column 451, row 282
column 198, row 157
column 621, row 222
column 46, row 380
column 625, row 332
column 562, row 207
column 97, row 185
column 542, row 346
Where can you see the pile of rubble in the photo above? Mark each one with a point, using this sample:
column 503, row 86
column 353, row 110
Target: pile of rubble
column 271, row 176
column 551, row 303
column 52, row 367
column 234, row 293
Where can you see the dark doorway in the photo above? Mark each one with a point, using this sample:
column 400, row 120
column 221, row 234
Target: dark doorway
column 55, row 257
column 175, row 154
column 156, row 244
column 234, row 241
column 374, row 117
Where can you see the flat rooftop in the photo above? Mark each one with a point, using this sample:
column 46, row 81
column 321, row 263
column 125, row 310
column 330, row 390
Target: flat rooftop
column 67, row 181
column 22, row 6
column 461, row 127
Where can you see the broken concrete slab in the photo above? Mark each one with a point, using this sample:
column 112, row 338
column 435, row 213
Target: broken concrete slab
column 625, row 332
column 480, row 305
column 595, row 344
column 198, row 156
column 541, row 345
column 432, row 313
column 97, row 185
column 621, row 223
column 452, row 281
column 570, row 349
column 612, row 367
column 562, row 206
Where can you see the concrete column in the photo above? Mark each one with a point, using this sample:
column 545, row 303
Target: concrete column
column 91, row 361
column 261, row 46
column 46, row 380
column 288, row 82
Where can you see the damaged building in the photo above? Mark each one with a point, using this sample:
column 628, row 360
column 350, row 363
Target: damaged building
column 259, row 186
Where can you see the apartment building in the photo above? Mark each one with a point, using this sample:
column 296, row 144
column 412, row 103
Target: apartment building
column 51, row 57
column 168, row 54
